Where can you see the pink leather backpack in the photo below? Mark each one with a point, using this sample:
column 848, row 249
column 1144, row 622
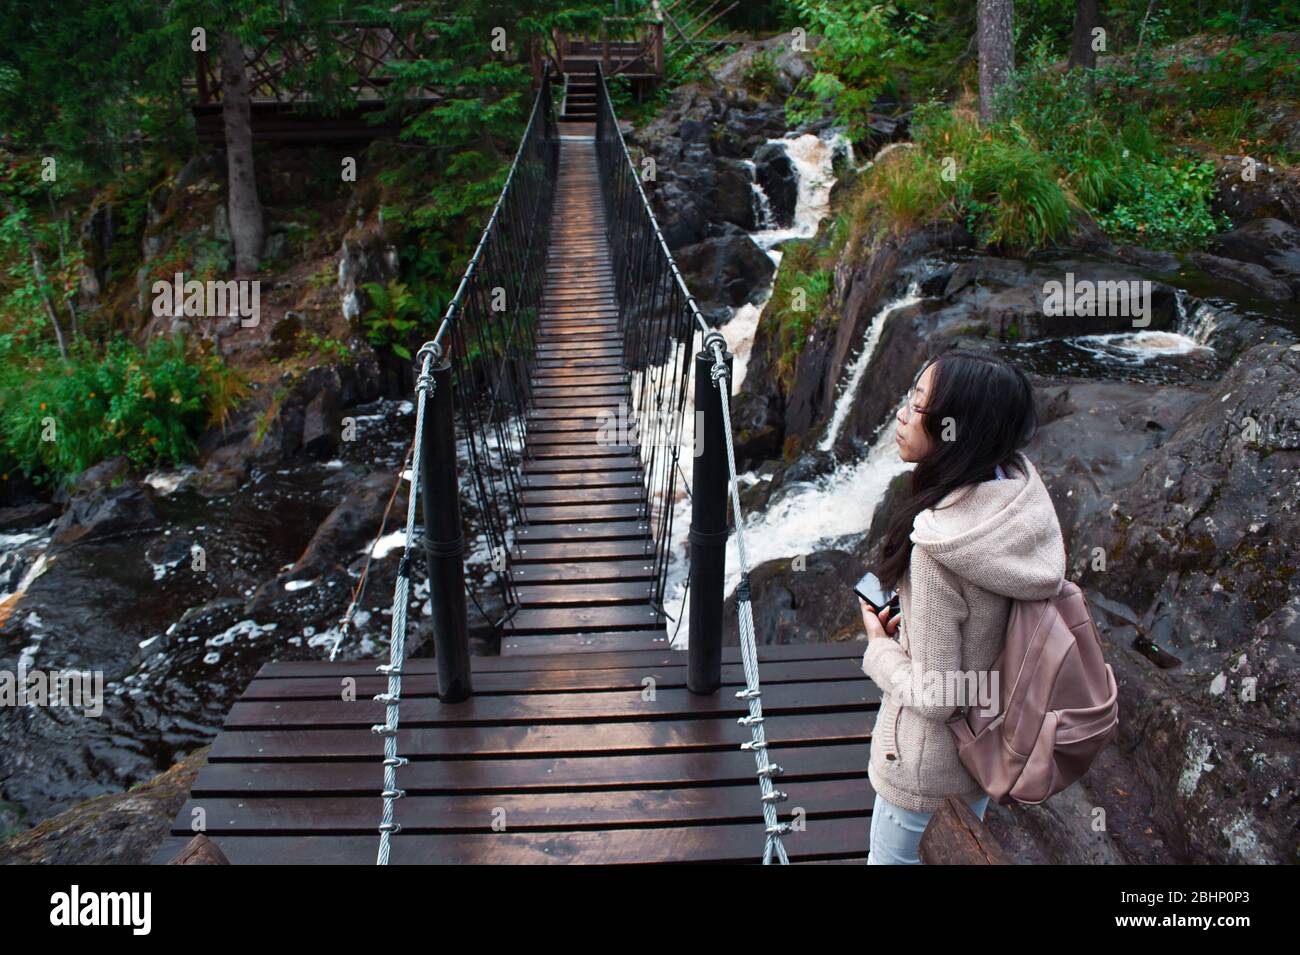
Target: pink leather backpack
column 1057, row 703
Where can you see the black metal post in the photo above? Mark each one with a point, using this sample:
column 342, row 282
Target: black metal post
column 708, row 536
column 444, row 543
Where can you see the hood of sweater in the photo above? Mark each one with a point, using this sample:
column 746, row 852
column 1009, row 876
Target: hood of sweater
column 1001, row 535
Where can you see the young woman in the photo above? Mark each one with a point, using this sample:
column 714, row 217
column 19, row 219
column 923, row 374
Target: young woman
column 976, row 530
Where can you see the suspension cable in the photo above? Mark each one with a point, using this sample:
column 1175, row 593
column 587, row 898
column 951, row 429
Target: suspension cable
column 392, row 698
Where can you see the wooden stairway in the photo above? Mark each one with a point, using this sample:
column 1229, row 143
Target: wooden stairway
column 579, row 97
column 583, row 561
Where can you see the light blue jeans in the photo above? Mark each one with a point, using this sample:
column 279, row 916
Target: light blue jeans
column 896, row 833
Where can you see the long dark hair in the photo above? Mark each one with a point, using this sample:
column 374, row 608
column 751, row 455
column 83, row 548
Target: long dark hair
column 988, row 405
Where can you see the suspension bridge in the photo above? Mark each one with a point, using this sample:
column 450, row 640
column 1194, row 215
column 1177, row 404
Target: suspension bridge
column 588, row 739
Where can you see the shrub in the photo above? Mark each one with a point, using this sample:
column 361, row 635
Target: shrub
column 58, row 418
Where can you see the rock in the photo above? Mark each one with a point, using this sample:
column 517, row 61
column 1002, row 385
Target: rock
column 1095, row 437
column 1246, row 274
column 114, row 829
column 793, row 605
column 776, row 174
column 107, row 473
column 1271, row 243
column 734, row 195
column 350, row 527
column 729, row 271
column 756, row 422
column 320, row 426
column 1272, row 193
column 1203, row 544
column 27, row 515
column 106, row 511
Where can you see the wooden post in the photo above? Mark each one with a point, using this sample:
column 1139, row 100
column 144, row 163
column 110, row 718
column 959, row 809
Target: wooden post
column 444, row 542
column 956, row 836
column 708, row 535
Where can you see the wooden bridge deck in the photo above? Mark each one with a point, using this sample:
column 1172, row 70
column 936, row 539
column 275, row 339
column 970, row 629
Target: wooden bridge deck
column 559, row 758
column 583, row 560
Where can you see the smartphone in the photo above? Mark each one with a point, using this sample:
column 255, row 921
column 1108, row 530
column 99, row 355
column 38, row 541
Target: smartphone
column 870, row 589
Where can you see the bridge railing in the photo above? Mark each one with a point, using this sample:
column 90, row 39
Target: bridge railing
column 482, row 354
column 659, row 320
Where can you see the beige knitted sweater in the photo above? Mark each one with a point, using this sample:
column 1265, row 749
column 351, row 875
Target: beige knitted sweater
column 998, row 540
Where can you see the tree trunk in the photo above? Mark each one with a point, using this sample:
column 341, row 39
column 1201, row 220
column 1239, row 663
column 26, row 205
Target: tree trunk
column 245, row 210
column 1086, row 19
column 997, row 51
column 38, row 272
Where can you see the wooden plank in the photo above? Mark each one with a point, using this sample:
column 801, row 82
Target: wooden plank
column 847, row 650
column 583, row 642
column 581, row 497
column 622, row 592
column 251, row 760
column 585, row 619
column 590, row 570
column 594, row 512
column 507, row 682
column 603, row 530
column 543, row 811
column 670, row 704
column 731, row 843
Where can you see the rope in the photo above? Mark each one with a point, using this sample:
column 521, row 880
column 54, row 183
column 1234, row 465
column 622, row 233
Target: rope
column 748, row 651
column 345, row 622
column 392, row 699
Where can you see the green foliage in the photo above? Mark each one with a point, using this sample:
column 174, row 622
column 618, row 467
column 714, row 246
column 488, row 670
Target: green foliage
column 390, row 318
column 1168, row 205
column 761, row 73
column 860, row 44
column 58, row 418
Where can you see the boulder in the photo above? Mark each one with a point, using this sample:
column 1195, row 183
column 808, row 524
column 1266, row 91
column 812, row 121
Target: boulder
column 1202, row 544
column 1248, row 275
column 778, row 178
column 1271, row 243
column 729, row 270
column 106, row 511
column 802, row 600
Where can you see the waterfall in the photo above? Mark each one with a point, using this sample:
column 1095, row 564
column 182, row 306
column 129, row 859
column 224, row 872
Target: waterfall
column 859, row 366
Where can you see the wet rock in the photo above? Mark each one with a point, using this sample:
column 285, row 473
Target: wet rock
column 1095, row 438
column 107, row 511
column 1254, row 277
column 756, row 421
column 27, row 515
column 801, row 600
column 123, row 828
column 779, row 179
column 728, row 271
column 1271, row 243
column 350, row 527
column 1202, row 544
column 734, row 196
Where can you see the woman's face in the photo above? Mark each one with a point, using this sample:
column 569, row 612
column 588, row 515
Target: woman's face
column 911, row 437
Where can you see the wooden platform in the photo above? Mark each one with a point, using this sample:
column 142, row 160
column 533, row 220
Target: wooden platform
column 583, row 561
column 599, row 757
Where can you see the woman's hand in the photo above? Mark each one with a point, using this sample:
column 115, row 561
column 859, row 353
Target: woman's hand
column 882, row 624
